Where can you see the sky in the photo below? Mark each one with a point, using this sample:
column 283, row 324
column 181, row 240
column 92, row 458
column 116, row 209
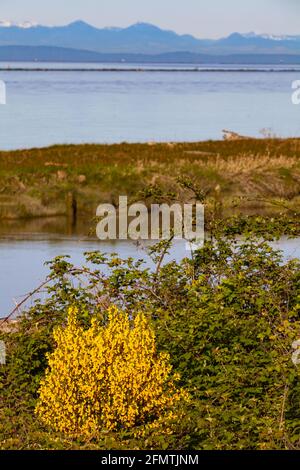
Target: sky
column 201, row 18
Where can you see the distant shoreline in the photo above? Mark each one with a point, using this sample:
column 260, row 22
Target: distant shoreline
column 148, row 70
column 40, row 54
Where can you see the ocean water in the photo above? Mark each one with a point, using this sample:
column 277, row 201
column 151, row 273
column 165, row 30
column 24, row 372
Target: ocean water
column 75, row 103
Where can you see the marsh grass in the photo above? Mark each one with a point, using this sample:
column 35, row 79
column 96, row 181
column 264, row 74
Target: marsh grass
column 35, row 182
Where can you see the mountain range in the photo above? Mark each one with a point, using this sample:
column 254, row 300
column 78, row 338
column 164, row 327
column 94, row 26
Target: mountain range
column 140, row 38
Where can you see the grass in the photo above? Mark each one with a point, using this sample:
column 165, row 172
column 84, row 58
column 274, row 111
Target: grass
column 35, row 182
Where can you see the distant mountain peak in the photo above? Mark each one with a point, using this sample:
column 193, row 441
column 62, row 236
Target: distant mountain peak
column 272, row 37
column 27, row 24
column 252, row 34
column 10, row 24
column 5, row 24
column 283, row 37
column 80, row 25
column 235, row 35
column 144, row 27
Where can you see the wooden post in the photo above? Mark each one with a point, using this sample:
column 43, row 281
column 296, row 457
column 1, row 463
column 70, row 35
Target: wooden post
column 71, row 208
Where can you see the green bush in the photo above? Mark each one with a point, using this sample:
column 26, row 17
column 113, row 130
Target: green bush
column 227, row 317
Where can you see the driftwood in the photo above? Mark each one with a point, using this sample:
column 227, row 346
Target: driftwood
column 230, row 135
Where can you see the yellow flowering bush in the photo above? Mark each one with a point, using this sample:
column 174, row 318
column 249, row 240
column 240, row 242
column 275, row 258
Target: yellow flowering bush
column 106, row 377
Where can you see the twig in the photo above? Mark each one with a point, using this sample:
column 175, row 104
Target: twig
column 282, row 414
column 28, row 296
column 164, row 252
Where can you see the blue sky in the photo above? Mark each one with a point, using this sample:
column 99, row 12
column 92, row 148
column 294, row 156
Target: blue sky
column 202, row 18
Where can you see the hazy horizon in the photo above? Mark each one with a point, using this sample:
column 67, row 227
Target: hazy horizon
column 202, row 19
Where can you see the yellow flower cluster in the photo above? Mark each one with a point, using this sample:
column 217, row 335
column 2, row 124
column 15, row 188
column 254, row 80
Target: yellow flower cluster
column 106, row 377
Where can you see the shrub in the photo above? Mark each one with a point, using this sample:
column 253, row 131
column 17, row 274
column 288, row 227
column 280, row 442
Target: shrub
column 107, row 377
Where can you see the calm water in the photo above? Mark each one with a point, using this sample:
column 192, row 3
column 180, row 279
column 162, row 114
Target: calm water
column 77, row 106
